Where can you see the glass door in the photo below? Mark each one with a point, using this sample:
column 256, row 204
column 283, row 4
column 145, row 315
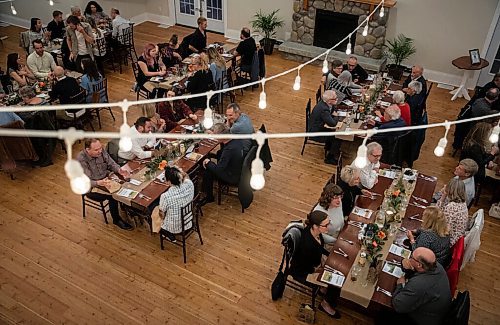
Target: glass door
column 188, row 11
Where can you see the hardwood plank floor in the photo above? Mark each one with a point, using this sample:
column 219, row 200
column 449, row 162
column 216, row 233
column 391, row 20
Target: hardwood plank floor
column 57, row 268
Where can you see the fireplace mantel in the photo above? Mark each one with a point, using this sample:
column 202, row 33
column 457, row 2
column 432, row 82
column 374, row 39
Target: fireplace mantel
column 372, row 3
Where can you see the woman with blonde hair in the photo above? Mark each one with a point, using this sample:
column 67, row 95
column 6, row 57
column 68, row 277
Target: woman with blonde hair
column 478, row 148
column 217, row 66
column 454, row 207
column 349, row 183
column 434, row 235
column 199, row 82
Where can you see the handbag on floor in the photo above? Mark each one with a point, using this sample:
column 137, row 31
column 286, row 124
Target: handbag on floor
column 495, row 211
column 278, row 286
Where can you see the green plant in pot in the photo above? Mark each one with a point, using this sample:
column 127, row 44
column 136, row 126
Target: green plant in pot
column 398, row 50
column 267, row 24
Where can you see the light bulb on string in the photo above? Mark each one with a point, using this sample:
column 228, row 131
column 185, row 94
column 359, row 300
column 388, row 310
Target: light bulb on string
column 80, row 185
column 494, row 134
column 325, row 63
column 14, row 12
column 208, row 119
column 441, row 146
column 365, row 30
column 349, row 46
column 296, row 84
column 361, row 159
column 125, row 143
column 257, row 180
column 51, row 3
column 79, row 182
column 381, row 14
column 262, row 97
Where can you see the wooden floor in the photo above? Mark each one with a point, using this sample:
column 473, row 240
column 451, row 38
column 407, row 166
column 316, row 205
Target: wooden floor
column 57, row 268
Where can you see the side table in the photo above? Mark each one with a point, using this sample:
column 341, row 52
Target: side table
column 464, row 63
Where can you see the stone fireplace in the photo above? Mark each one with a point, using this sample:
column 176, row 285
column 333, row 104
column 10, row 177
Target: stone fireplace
column 342, row 17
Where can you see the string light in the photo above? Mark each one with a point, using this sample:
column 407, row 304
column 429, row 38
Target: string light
column 381, row 14
column 257, row 181
column 79, row 182
column 51, row 3
column 296, row 84
column 441, row 146
column 362, row 157
column 125, row 143
column 262, row 98
column 208, row 119
column 494, row 134
column 349, row 46
column 325, row 63
column 365, row 30
column 14, row 12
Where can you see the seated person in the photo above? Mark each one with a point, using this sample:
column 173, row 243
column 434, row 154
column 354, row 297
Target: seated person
column 20, row 75
column 484, row 106
column 56, row 27
column 392, row 119
column 40, row 62
column 228, row 166
column 91, row 77
column 330, row 202
column 307, row 256
column 454, row 207
column 341, row 86
column 200, row 81
column 246, row 49
column 349, row 183
column 97, row 164
column 425, row 297
column 336, row 68
column 478, row 147
column 398, row 98
column 168, row 52
column 141, row 147
column 149, row 111
column 119, row 24
column 369, row 174
column 178, row 195
column 321, row 120
column 466, row 170
column 358, row 73
column 416, row 75
column 93, row 11
column 239, row 123
column 495, row 83
column 433, row 234
column 150, row 67
column 64, row 87
column 174, row 111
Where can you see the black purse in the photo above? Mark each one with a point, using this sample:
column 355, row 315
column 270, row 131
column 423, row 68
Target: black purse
column 278, row 286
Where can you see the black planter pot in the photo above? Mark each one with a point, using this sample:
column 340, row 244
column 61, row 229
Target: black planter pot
column 268, row 45
column 395, row 71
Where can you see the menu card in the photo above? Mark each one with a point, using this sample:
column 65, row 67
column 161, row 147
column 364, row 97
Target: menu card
column 389, row 173
column 399, row 251
column 365, row 213
column 334, row 278
column 393, row 270
column 126, row 192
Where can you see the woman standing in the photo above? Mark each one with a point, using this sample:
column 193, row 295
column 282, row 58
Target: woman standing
column 90, row 78
column 454, row 207
column 93, row 11
column 149, row 67
column 19, row 74
column 330, row 202
column 307, row 257
column 434, row 235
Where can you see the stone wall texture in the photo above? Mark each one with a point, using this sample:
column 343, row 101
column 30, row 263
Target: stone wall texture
column 370, row 46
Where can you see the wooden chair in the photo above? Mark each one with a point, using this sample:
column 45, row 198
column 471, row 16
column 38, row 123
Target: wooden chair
column 101, row 90
column 196, row 176
column 187, row 216
column 101, row 205
column 335, row 178
column 306, row 139
column 141, row 92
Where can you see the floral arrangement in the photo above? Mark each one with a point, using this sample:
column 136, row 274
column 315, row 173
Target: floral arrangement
column 158, row 163
column 396, row 195
column 374, row 240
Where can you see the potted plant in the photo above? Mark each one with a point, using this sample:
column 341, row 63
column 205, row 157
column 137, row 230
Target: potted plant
column 398, row 50
column 267, row 24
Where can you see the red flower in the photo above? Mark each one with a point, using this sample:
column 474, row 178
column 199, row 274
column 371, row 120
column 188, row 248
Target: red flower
column 162, row 165
column 381, row 234
column 374, row 243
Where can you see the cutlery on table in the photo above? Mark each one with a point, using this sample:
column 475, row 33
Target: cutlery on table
column 419, row 199
column 355, row 224
column 160, row 183
column 403, row 229
column 368, row 197
column 393, row 262
column 385, row 292
column 331, row 269
column 417, row 205
column 341, row 254
column 347, row 241
column 415, row 218
column 376, row 194
column 144, row 197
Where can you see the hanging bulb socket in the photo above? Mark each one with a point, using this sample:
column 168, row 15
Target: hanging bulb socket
column 208, row 120
column 296, row 84
column 381, row 14
column 348, row 49
column 257, row 181
column 439, row 150
column 51, row 2
column 365, row 30
column 494, row 134
column 361, row 160
column 13, row 9
column 125, row 143
column 325, row 65
column 262, row 100
column 80, row 183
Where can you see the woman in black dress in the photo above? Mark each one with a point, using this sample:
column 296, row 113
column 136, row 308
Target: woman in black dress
column 149, row 67
column 199, row 82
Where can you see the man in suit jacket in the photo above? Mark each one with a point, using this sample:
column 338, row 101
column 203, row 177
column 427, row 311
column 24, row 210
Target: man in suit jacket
column 65, row 87
column 228, row 166
column 357, row 71
column 416, row 75
column 321, row 120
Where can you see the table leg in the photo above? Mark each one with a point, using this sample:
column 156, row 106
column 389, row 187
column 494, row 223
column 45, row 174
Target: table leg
column 461, row 91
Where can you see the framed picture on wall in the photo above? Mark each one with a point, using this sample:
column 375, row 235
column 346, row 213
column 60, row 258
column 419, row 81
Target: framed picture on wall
column 474, row 56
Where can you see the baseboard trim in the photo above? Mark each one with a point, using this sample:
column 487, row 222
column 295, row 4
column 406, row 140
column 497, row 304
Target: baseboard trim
column 15, row 21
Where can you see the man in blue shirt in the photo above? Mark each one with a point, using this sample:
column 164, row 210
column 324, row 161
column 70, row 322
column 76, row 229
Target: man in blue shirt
column 9, row 117
column 239, row 123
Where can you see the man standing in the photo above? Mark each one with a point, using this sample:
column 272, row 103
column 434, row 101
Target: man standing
column 482, row 106
column 141, row 147
column 321, row 120
column 369, row 174
column 79, row 39
column 64, row 88
column 357, row 71
column 56, row 26
column 97, row 164
column 198, row 40
column 119, row 23
column 228, row 166
column 246, row 49
column 425, row 297
column 416, row 75
column 465, row 171
column 41, row 63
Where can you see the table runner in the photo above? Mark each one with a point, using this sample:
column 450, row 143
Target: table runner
column 139, row 176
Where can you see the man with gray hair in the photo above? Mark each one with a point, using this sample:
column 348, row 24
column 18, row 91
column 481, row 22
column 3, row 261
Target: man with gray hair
column 228, row 166
column 465, row 171
column 369, row 174
column 392, row 119
column 321, row 120
column 415, row 98
column 416, row 75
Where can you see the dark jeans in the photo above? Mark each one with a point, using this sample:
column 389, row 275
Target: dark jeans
column 113, row 204
column 210, row 175
column 332, row 148
column 390, row 317
column 332, row 293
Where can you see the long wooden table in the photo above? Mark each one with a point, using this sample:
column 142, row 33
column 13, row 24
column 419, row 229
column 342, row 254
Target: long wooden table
column 423, row 189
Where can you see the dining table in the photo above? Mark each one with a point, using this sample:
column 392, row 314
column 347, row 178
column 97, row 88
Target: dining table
column 371, row 296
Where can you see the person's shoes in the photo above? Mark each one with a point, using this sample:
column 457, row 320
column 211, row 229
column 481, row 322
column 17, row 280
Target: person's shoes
column 335, row 316
column 331, row 161
column 46, row 163
column 123, row 225
column 170, row 236
column 206, row 200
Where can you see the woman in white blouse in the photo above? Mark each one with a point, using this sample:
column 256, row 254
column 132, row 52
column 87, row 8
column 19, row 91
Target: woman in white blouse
column 455, row 208
column 330, row 202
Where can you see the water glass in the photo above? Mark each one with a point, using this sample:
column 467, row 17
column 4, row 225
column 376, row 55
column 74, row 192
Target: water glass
column 355, row 272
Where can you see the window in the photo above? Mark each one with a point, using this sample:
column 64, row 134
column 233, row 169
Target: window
column 186, row 7
column 495, row 67
column 214, row 9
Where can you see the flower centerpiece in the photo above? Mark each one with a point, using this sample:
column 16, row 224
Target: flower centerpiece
column 158, row 163
column 375, row 238
column 395, row 198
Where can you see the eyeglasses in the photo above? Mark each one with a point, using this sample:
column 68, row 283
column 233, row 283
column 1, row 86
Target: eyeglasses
column 339, row 196
column 375, row 156
column 324, row 226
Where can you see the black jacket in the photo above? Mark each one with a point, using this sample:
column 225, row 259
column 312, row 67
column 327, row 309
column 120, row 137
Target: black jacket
column 420, row 79
column 200, row 82
column 64, row 89
column 228, row 167
column 357, row 73
column 350, row 193
column 307, row 255
column 321, row 115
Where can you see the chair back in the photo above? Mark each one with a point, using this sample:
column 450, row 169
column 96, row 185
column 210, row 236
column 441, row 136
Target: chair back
column 101, row 46
column 318, row 94
column 195, row 175
column 453, row 269
column 459, row 310
column 24, row 41
column 112, row 148
column 125, row 38
column 472, row 240
column 187, row 217
column 79, row 98
column 308, row 113
column 135, row 69
column 265, row 152
column 100, row 90
column 291, row 240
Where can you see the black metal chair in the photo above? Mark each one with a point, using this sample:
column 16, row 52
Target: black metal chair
column 140, row 91
column 101, row 205
column 196, row 176
column 76, row 118
column 318, row 94
column 106, row 53
column 188, row 215
column 98, row 90
column 306, row 139
column 334, row 179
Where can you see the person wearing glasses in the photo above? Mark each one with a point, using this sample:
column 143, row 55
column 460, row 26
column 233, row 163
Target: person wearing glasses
column 330, row 202
column 369, row 174
column 358, row 73
column 424, row 298
column 336, row 68
column 306, row 258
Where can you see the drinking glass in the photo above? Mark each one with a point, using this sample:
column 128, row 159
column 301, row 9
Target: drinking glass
column 355, row 272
